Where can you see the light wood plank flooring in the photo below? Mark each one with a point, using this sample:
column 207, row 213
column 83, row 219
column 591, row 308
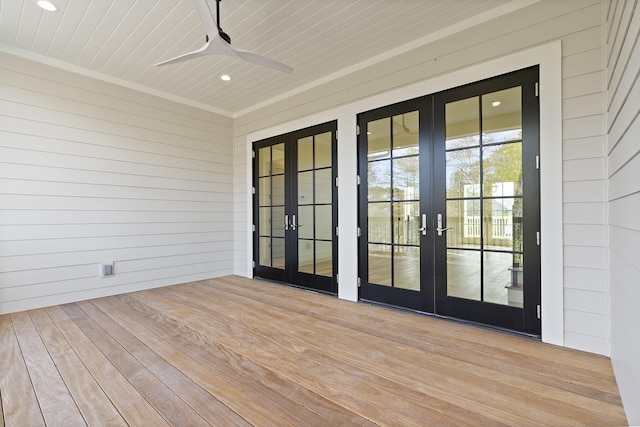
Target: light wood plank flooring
column 233, row 351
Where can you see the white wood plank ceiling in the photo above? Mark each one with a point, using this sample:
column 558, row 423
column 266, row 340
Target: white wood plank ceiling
column 122, row 39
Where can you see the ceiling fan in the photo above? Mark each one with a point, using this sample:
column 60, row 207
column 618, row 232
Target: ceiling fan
column 217, row 42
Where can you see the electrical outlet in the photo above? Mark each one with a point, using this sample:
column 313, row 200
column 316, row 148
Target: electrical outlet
column 106, row 270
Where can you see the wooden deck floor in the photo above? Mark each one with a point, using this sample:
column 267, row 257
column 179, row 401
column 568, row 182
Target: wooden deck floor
column 234, row 351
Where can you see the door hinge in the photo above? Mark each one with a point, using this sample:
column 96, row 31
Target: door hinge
column 357, row 179
column 253, row 154
column 538, row 162
column 359, row 282
column 359, row 232
column 538, row 238
column 253, row 226
column 337, row 228
column 253, row 190
column 337, row 278
column 253, row 263
column 537, row 89
column 357, row 129
column 538, row 311
column 336, row 181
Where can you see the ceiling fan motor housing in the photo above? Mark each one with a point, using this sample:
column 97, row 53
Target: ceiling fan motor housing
column 224, row 35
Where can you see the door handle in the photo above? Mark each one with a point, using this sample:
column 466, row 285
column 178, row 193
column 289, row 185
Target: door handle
column 440, row 229
column 424, row 227
column 286, row 222
column 293, row 222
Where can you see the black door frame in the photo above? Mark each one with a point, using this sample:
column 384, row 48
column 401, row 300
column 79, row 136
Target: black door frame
column 518, row 319
column 526, row 319
column 289, row 274
column 422, row 300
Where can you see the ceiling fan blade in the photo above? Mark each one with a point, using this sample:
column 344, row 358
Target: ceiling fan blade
column 218, row 43
column 206, row 19
column 187, row 56
column 262, row 60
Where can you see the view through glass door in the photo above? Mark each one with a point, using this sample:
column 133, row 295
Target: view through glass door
column 478, row 203
column 295, row 208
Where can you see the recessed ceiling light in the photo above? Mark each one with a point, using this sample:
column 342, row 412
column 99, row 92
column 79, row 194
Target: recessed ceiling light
column 47, row 5
column 496, row 103
column 225, row 77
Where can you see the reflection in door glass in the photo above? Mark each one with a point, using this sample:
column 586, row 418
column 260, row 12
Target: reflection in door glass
column 277, row 190
column 405, row 184
column 463, row 274
column 277, row 159
column 379, row 139
column 484, row 197
column 406, row 268
column 502, row 170
column 305, row 153
column 323, row 222
column 265, row 251
column 277, row 221
column 406, row 223
column 463, row 173
column 501, row 116
column 463, row 123
column 405, row 134
column 264, row 214
column 380, row 265
column 305, row 216
column 379, row 220
column 264, row 190
column 264, row 158
column 277, row 252
column 305, row 188
column 502, row 224
column 323, row 150
column 323, row 186
column 305, row 256
column 324, row 258
column 503, row 267
column 379, row 180
column 464, row 223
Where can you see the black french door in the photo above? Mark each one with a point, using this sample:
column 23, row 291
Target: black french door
column 449, row 203
column 396, row 251
column 295, row 208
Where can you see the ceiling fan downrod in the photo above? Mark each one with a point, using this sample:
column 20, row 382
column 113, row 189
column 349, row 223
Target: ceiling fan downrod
column 224, row 35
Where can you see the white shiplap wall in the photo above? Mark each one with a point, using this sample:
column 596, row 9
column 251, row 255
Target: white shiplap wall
column 584, row 181
column 91, row 172
column 623, row 170
column 578, row 24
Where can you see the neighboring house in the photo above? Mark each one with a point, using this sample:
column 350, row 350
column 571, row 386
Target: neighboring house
column 93, row 172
